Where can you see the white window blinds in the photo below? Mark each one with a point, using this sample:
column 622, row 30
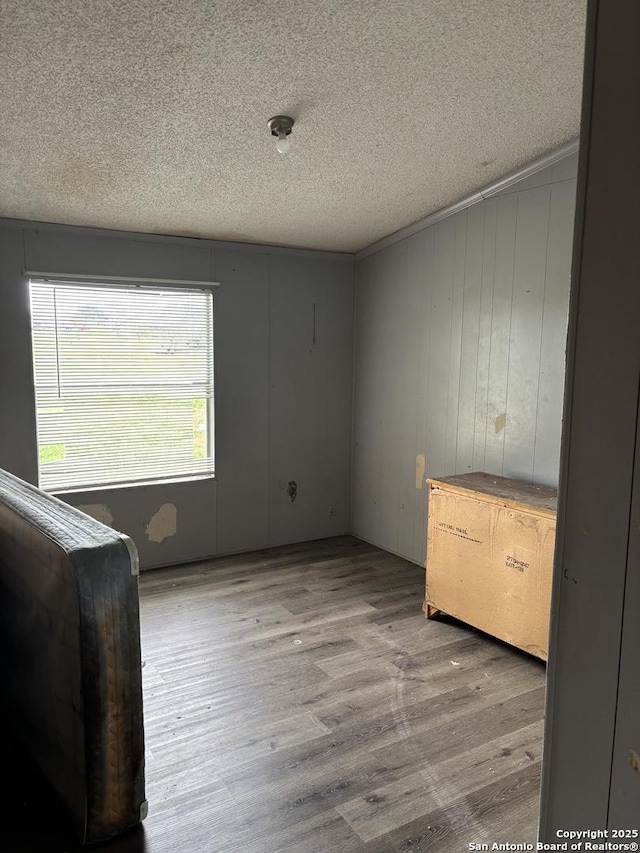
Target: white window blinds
column 123, row 383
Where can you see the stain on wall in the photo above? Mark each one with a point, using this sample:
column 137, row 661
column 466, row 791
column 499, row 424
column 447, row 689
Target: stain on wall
column 501, row 422
column 163, row 524
column 100, row 512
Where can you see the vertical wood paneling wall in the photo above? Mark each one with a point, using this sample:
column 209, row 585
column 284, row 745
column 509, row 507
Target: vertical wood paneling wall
column 460, row 354
column 283, row 372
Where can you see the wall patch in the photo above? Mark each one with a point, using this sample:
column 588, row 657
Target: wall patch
column 163, row 524
column 100, row 512
column 420, row 469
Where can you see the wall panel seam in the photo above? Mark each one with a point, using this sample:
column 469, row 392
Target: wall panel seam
column 544, row 297
column 513, row 277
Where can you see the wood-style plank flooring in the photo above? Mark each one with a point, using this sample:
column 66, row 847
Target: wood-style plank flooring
column 296, row 699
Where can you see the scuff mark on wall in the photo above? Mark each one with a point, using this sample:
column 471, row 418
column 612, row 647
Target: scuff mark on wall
column 163, row 524
column 420, row 468
column 292, row 490
column 100, row 512
column 501, row 422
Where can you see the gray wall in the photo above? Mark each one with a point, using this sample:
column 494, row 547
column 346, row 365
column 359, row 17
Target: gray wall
column 459, row 354
column 283, row 403
column 591, row 773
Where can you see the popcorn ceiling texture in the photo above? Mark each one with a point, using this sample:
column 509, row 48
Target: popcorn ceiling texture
column 151, row 115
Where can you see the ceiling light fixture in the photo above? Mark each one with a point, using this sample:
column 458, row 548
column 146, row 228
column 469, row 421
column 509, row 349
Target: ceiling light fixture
column 281, row 126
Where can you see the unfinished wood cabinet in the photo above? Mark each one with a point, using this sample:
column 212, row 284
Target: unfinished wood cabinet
column 490, row 545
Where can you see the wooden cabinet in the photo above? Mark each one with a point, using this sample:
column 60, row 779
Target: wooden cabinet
column 490, row 545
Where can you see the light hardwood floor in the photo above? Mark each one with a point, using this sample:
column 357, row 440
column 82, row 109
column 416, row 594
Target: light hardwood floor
column 296, row 699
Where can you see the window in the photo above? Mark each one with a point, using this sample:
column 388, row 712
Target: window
column 123, row 382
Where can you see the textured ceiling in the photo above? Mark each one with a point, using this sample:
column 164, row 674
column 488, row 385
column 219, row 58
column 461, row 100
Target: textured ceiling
column 150, row 115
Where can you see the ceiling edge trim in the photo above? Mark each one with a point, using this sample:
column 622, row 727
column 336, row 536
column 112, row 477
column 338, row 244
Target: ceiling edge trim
column 488, row 191
column 202, row 242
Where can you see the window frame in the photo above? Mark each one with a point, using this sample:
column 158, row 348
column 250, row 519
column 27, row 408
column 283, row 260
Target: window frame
column 132, row 283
